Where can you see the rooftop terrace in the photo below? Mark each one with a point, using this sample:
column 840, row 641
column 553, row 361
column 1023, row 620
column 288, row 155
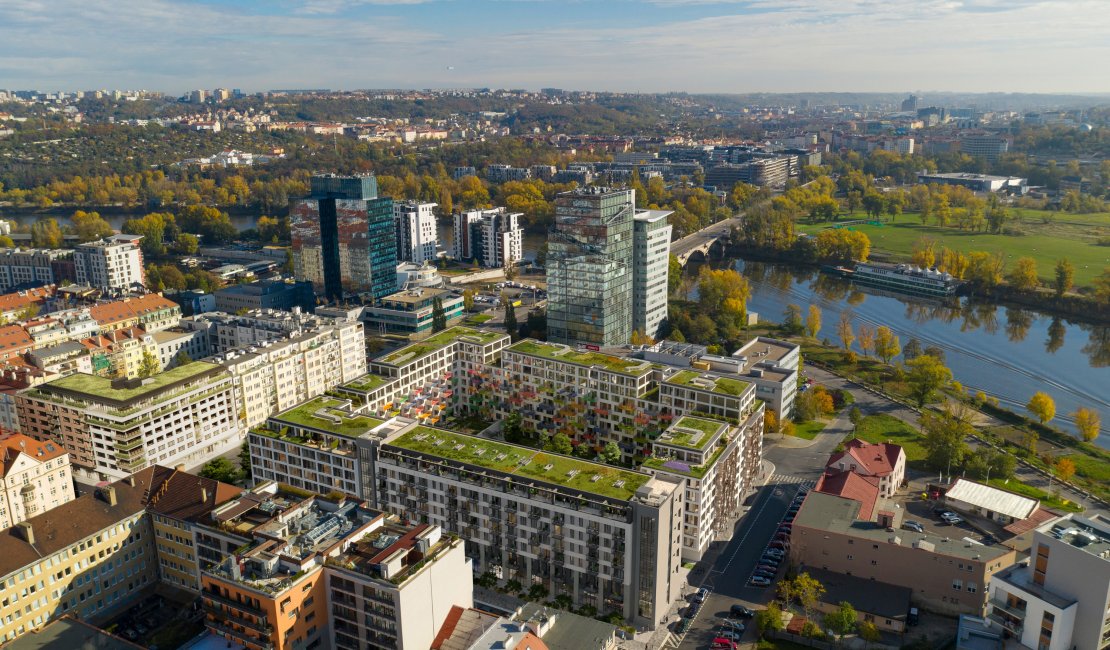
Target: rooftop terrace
column 691, row 432
column 438, row 342
column 709, row 382
column 367, row 383
column 100, row 389
column 632, row 367
column 330, row 415
column 563, row 471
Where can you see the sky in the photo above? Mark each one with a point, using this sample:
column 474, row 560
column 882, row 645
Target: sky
column 727, row 46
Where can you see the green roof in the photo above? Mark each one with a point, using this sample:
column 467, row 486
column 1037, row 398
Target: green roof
column 703, row 431
column 101, row 388
column 565, row 471
column 436, row 342
column 367, row 383
column 723, row 385
column 309, row 414
column 696, row 471
column 633, row 367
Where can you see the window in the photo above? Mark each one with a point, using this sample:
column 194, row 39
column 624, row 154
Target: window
column 957, row 585
column 972, row 587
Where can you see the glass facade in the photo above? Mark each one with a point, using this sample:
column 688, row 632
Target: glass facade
column 590, row 267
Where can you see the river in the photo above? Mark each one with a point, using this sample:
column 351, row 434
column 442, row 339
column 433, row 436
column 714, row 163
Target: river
column 1006, row 352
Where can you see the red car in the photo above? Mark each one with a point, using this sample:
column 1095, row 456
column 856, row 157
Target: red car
column 723, row 643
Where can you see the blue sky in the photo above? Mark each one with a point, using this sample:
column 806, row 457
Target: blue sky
column 629, row 45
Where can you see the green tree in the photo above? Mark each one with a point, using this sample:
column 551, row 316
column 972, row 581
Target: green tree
column 511, row 428
column 842, row 620
column 439, row 317
column 1042, row 406
column 869, row 632
column 855, row 416
column 611, row 453
column 245, row 461
column 89, row 226
column 792, row 319
column 468, row 300
column 674, row 274
column 912, row 350
column 887, row 345
column 770, row 619
column 927, row 374
column 813, row 321
column 559, row 444
column 1024, row 274
column 152, row 228
column 1065, row 277
column 45, row 233
column 186, row 244
column 181, row 358
column 150, row 365
column 803, row 589
column 945, row 435
column 511, row 327
column 1087, row 423
column 220, row 469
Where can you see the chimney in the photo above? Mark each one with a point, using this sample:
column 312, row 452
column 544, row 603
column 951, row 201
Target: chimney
column 180, row 467
column 110, row 495
column 203, row 495
column 131, row 480
column 26, row 531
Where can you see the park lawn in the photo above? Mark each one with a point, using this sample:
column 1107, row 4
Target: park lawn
column 809, row 430
column 887, row 428
column 1049, row 500
column 898, row 238
column 478, row 319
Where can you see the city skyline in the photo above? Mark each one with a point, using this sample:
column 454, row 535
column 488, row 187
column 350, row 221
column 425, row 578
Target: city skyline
column 649, row 46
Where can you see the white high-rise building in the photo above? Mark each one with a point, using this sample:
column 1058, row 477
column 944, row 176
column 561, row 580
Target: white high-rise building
column 492, row 237
column 651, row 253
column 111, row 264
column 416, row 231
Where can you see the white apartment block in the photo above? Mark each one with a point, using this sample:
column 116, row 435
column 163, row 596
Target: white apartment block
column 111, row 264
column 172, row 342
column 651, row 255
column 415, row 225
column 112, row 428
column 36, row 477
column 1058, row 599
column 29, row 266
column 229, row 331
column 492, row 237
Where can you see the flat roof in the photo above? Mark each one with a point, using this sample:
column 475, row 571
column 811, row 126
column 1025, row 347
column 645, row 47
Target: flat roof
column 697, row 434
column 991, row 499
column 368, row 382
column 438, row 341
column 1090, row 533
column 329, row 415
column 709, row 382
column 559, row 352
column 99, row 389
column 413, row 296
column 564, row 471
column 868, row 596
column 67, row 632
column 762, row 349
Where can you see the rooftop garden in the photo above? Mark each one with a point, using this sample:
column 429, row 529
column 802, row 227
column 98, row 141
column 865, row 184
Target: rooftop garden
column 565, row 471
column 685, row 469
column 367, row 383
column 102, row 387
column 328, row 415
column 722, row 385
column 436, row 342
column 699, row 434
column 633, row 367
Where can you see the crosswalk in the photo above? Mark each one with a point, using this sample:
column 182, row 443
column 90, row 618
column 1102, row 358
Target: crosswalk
column 790, row 480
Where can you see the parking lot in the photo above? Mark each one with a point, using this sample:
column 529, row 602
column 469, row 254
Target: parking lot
column 927, row 513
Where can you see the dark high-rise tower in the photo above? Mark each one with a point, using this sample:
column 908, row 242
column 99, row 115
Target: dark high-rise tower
column 343, row 238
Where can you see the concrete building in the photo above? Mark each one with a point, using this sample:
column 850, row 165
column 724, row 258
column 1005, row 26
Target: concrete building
column 1060, row 597
column 418, row 276
column 112, row 428
column 974, row 182
column 989, row 147
column 505, row 173
column 651, row 254
column 859, row 535
column 415, row 225
column 111, row 264
column 265, row 294
column 35, row 477
column 491, row 237
column 172, row 342
column 33, row 267
column 883, row 461
column 331, row 573
column 772, row 365
column 344, row 240
column 771, row 171
column 412, row 312
column 590, row 267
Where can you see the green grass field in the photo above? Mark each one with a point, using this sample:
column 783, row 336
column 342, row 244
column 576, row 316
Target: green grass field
column 886, row 428
column 1073, row 236
column 809, row 430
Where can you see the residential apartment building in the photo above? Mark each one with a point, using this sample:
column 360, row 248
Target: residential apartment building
column 590, row 267
column 415, row 224
column 228, row 332
column 111, row 264
column 412, row 312
column 152, row 312
column 344, row 240
column 651, row 252
column 26, row 303
column 328, row 573
column 112, row 428
column 859, row 534
column 772, row 365
column 265, row 294
column 490, row 237
column 505, row 173
column 34, row 267
column 34, row 478
column 1060, row 597
column 989, row 147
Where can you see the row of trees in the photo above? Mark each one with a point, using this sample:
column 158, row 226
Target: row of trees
column 803, row 592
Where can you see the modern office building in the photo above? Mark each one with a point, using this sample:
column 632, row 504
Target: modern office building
column 974, row 182
column 35, row 477
column 1060, row 597
column 111, row 264
column 590, row 267
column 652, row 252
column 989, row 147
column 112, row 428
column 412, row 312
column 265, row 294
column 415, row 224
column 343, row 238
column 490, row 237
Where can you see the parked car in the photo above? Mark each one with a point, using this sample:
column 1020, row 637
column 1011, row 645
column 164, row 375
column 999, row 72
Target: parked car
column 951, row 518
column 759, row 581
column 701, row 595
column 914, row 526
column 774, row 552
column 731, row 635
column 682, row 625
column 721, row 643
column 741, row 611
column 779, row 544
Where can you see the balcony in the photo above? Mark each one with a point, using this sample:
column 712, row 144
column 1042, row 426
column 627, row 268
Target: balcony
column 998, row 603
column 242, row 637
column 1006, row 622
column 260, row 626
column 235, row 604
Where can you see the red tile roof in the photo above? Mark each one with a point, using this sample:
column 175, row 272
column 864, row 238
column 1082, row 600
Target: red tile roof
column 129, row 308
column 17, row 443
column 21, row 299
column 878, row 459
column 847, row 484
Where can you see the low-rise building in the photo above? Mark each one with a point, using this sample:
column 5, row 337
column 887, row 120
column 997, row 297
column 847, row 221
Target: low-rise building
column 35, row 477
column 981, row 500
column 412, row 312
column 265, row 294
column 883, row 461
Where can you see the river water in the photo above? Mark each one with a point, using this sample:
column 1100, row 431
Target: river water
column 1006, row 352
